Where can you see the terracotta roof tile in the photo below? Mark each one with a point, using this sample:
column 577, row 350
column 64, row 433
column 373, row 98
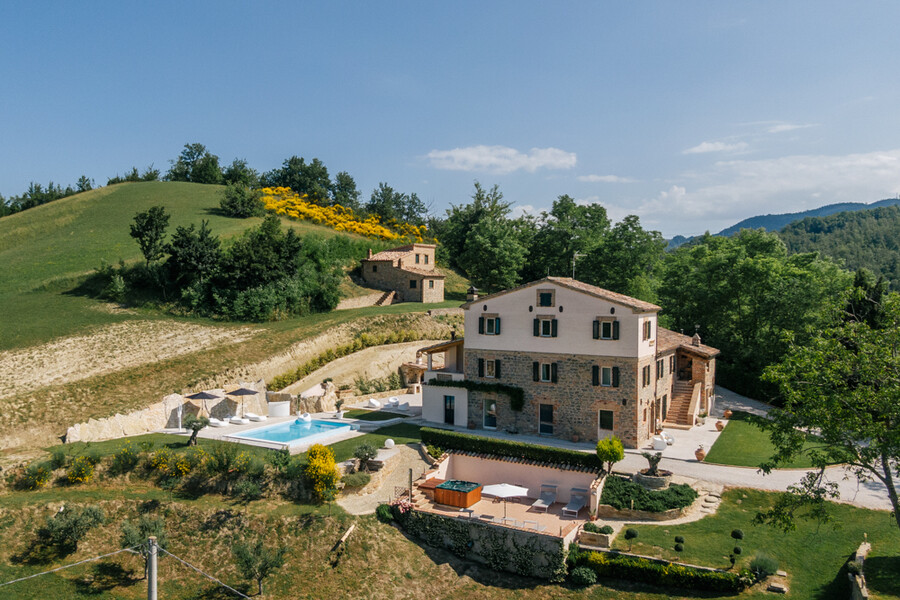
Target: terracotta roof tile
column 524, row 461
column 672, row 340
column 573, row 284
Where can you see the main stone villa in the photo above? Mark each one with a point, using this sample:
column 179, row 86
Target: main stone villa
column 590, row 364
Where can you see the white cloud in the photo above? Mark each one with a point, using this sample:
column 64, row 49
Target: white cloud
column 782, row 127
column 501, row 159
column 522, row 209
column 705, row 147
column 604, row 179
column 734, row 190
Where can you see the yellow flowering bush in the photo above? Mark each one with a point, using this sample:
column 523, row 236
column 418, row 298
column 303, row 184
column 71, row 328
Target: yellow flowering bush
column 321, row 472
column 162, row 459
column 81, row 471
column 124, row 460
column 284, row 201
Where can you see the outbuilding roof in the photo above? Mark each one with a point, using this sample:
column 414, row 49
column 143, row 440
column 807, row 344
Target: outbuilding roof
column 672, row 340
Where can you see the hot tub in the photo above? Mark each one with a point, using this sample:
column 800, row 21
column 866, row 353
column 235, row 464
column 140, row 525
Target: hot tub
column 461, row 494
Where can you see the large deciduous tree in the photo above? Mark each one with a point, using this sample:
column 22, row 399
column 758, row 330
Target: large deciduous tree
column 304, row 178
column 842, row 385
column 626, row 260
column 344, row 192
column 149, row 229
column 390, row 204
column 486, row 204
column 197, row 165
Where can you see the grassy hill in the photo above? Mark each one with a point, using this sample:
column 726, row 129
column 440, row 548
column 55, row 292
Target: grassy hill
column 47, row 249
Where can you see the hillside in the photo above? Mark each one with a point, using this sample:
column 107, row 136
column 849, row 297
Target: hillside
column 779, row 221
column 867, row 238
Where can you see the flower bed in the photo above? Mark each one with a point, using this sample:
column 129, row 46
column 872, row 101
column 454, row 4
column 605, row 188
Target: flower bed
column 622, row 494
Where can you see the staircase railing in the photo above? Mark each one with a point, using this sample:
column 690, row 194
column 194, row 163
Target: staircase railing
column 694, row 408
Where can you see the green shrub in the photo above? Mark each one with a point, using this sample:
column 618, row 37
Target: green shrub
column 737, row 550
column 452, row 440
column 356, row 480
column 124, row 460
column 92, row 455
column 679, row 547
column 591, row 527
column 69, row 526
column 610, row 451
column 583, row 576
column 384, row 513
column 737, row 534
column 279, row 459
column 763, row 565
column 365, row 453
column 34, row 476
column 81, row 470
column 221, row 459
column 660, row 572
column 619, row 493
column 607, row 529
column 679, row 539
column 434, row 451
column 58, row 458
column 247, row 490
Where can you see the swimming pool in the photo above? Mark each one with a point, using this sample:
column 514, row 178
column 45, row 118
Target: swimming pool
column 293, row 433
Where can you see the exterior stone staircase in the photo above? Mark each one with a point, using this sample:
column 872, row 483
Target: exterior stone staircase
column 678, row 415
column 387, row 298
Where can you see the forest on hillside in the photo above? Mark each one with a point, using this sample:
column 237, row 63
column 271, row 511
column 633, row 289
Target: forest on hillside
column 864, row 239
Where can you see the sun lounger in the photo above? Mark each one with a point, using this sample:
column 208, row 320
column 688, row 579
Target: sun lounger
column 578, row 501
column 373, row 403
column 238, row 421
column 214, row 422
column 548, row 497
column 393, row 401
column 403, row 407
column 255, row 417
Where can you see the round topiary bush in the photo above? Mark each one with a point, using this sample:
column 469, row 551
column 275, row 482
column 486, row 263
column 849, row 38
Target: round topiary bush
column 630, row 533
column 737, row 534
column 583, row 576
column 737, row 550
column 384, row 514
column 679, row 547
column 607, row 529
column 679, row 539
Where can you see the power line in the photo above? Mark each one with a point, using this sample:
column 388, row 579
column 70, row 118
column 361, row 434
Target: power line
column 208, row 576
column 81, row 562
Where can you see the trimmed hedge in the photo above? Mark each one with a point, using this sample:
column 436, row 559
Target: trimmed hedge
column 516, row 394
column 619, row 493
column 452, row 440
column 660, row 573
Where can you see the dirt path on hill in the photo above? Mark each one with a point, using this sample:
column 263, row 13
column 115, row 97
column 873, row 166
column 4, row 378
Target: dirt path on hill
column 106, row 350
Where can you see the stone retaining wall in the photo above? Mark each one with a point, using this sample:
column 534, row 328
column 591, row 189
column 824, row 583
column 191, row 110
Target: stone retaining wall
column 858, row 589
column 605, row 511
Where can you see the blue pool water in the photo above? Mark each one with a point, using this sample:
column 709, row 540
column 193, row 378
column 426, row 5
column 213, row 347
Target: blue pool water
column 292, row 432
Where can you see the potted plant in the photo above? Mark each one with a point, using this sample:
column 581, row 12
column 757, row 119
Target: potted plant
column 337, row 405
column 720, row 425
column 727, row 414
column 701, row 418
column 700, row 453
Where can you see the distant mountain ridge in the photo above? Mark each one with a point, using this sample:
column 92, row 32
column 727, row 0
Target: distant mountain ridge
column 780, row 221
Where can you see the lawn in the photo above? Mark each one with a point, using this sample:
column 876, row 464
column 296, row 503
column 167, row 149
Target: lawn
column 371, row 415
column 813, row 555
column 153, row 441
column 744, row 444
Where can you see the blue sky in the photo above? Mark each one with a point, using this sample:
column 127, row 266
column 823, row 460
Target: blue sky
column 692, row 115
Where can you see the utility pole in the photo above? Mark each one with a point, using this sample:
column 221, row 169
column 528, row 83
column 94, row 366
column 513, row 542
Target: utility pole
column 151, row 569
column 575, row 256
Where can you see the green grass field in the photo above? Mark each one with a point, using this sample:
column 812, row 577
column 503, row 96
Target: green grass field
column 371, row 415
column 813, row 555
column 744, row 444
column 46, row 250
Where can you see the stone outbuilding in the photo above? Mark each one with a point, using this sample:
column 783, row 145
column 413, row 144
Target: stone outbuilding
column 407, row 270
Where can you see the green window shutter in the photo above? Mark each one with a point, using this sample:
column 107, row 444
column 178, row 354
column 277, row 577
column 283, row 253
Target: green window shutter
column 615, row 381
column 553, row 329
column 596, row 330
column 480, row 324
column 481, row 367
column 536, row 371
column 497, row 368
column 497, row 325
column 537, row 328
column 595, row 374
column 554, row 375
column 615, row 330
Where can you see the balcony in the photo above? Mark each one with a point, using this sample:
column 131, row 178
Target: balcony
column 443, row 375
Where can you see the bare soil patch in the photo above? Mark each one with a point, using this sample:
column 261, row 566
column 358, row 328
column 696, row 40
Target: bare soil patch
column 109, row 349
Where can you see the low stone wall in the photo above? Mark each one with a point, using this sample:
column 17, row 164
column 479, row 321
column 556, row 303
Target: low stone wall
column 361, row 301
column 518, row 551
column 164, row 415
column 444, row 311
column 590, row 538
column 605, row 511
column 858, row 589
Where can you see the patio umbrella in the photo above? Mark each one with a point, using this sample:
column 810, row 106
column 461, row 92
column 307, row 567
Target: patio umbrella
column 504, row 491
column 242, row 391
column 203, row 396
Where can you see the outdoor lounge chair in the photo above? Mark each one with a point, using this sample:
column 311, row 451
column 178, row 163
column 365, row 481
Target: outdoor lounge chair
column 238, row 421
column 214, row 422
column 548, row 497
column 255, row 417
column 578, row 501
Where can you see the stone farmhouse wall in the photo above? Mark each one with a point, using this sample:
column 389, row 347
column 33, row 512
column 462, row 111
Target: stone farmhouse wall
column 402, row 268
column 575, row 399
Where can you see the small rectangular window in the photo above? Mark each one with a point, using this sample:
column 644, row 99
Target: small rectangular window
column 426, row 259
column 374, row 268
column 546, row 327
column 606, row 376
column 546, row 299
column 545, row 372
column 660, row 368
column 606, row 420
column 431, row 284
column 606, row 330
column 412, row 284
column 645, row 376
column 489, row 368
column 491, row 326
column 648, row 329
column 417, row 259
